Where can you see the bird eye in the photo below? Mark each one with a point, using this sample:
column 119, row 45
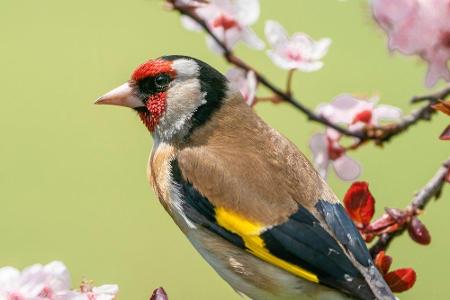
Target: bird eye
column 161, row 81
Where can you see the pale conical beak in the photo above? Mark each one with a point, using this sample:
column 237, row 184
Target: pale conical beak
column 122, row 96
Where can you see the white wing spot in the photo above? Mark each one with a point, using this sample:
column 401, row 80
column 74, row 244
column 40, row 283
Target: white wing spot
column 331, row 251
column 348, row 277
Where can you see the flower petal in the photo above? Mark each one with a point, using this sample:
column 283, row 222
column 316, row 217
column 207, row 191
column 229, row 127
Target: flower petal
column 246, row 11
column 343, row 108
column 435, row 72
column 276, row 35
column 249, row 37
column 110, row 289
column 310, row 66
column 321, row 48
column 58, row 277
column 418, row 28
column 252, row 84
column 303, row 42
column 318, row 146
column 299, row 51
column 190, row 24
column 333, row 134
column 346, row 168
column 385, row 112
column 8, row 277
column 213, row 46
column 245, row 82
column 280, row 61
column 345, row 102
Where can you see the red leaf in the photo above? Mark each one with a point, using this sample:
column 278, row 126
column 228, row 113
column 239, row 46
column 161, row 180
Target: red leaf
column 400, row 280
column 159, row 294
column 383, row 262
column 359, row 203
column 447, row 177
column 418, row 232
column 445, row 135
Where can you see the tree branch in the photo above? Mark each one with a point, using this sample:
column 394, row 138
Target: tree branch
column 377, row 134
column 433, row 97
column 423, row 114
column 431, row 190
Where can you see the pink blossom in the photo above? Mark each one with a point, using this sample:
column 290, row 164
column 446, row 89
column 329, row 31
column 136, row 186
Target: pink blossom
column 245, row 82
column 37, row 282
column 296, row 52
column 49, row 282
column 358, row 112
column 327, row 150
column 88, row 292
column 418, row 27
column 354, row 113
column 230, row 21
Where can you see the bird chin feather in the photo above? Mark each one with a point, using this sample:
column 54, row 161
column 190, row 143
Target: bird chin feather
column 141, row 109
column 146, row 117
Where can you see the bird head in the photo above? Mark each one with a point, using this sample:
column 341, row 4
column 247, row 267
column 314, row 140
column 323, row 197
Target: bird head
column 173, row 95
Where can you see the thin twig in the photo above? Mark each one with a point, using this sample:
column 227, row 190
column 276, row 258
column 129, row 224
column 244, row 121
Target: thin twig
column 385, row 133
column 377, row 134
column 431, row 190
column 433, row 97
column 425, row 113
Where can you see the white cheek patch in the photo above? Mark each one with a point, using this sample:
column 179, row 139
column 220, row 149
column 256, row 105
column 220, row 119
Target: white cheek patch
column 183, row 99
column 186, row 68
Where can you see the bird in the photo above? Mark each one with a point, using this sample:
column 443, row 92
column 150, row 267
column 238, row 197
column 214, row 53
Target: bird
column 246, row 197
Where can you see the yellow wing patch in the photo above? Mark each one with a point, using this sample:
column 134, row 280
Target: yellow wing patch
column 249, row 231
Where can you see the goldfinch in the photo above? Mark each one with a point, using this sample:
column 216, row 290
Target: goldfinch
column 248, row 200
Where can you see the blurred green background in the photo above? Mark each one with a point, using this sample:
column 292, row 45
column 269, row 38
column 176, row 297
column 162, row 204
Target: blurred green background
column 72, row 175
